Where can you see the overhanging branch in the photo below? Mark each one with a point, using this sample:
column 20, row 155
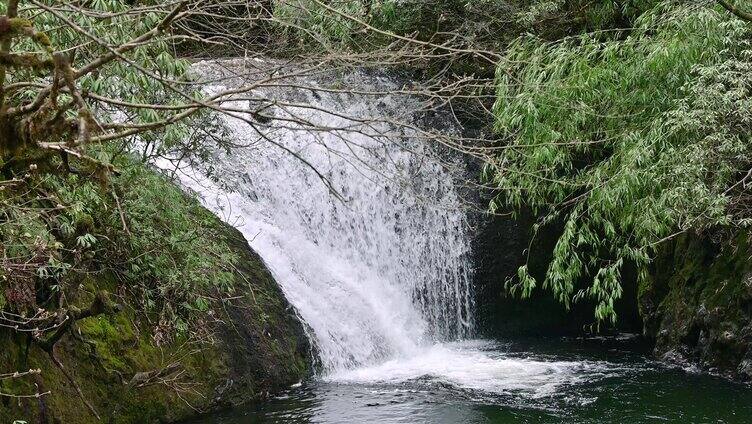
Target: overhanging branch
column 735, row 10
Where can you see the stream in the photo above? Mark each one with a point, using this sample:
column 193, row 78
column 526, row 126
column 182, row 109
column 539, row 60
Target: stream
column 541, row 381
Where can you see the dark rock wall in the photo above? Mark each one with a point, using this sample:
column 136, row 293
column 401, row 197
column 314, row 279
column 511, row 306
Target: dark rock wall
column 501, row 246
column 697, row 304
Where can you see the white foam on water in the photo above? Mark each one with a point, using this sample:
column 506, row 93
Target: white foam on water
column 475, row 365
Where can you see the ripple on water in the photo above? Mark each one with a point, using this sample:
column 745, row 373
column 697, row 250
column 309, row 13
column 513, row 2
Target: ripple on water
column 485, row 382
column 481, row 371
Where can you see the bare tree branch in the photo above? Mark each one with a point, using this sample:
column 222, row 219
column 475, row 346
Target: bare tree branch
column 735, row 10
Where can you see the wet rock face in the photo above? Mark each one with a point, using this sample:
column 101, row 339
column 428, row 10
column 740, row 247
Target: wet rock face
column 500, row 248
column 255, row 346
column 266, row 349
column 502, row 244
column 698, row 306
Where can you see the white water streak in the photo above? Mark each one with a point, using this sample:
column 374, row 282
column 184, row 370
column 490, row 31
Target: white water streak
column 384, row 273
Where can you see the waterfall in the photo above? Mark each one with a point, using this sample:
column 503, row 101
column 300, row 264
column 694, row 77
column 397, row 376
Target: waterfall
column 358, row 218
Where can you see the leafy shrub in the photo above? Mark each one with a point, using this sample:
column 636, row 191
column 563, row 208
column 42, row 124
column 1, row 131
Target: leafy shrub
column 309, row 24
column 628, row 141
column 178, row 256
column 59, row 228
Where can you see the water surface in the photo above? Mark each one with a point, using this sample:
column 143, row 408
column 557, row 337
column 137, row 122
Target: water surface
column 573, row 381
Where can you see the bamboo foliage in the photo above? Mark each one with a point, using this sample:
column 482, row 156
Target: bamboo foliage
column 628, row 141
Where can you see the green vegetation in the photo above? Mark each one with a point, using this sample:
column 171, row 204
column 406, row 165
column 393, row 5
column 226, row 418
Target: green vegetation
column 137, row 224
column 125, row 299
column 110, row 23
column 463, row 35
column 308, row 22
column 195, row 306
column 343, row 22
column 625, row 123
column 627, row 138
column 174, row 257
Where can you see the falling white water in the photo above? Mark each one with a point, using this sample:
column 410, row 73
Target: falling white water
column 380, row 273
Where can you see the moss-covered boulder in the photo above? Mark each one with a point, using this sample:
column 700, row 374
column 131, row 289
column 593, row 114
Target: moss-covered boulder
column 194, row 321
column 254, row 348
column 697, row 304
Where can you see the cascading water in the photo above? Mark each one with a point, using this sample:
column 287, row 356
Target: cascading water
column 361, row 223
column 373, row 251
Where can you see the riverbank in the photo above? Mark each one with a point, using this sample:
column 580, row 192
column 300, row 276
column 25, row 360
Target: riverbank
column 130, row 362
column 692, row 310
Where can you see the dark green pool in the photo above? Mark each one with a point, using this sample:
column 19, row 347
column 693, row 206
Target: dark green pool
column 554, row 381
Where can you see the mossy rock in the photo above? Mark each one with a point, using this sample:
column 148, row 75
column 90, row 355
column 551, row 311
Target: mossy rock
column 697, row 304
column 253, row 347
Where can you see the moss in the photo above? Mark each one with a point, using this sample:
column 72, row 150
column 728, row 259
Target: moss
column 108, row 336
column 84, row 223
column 18, row 24
column 42, row 39
column 697, row 304
column 252, row 345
